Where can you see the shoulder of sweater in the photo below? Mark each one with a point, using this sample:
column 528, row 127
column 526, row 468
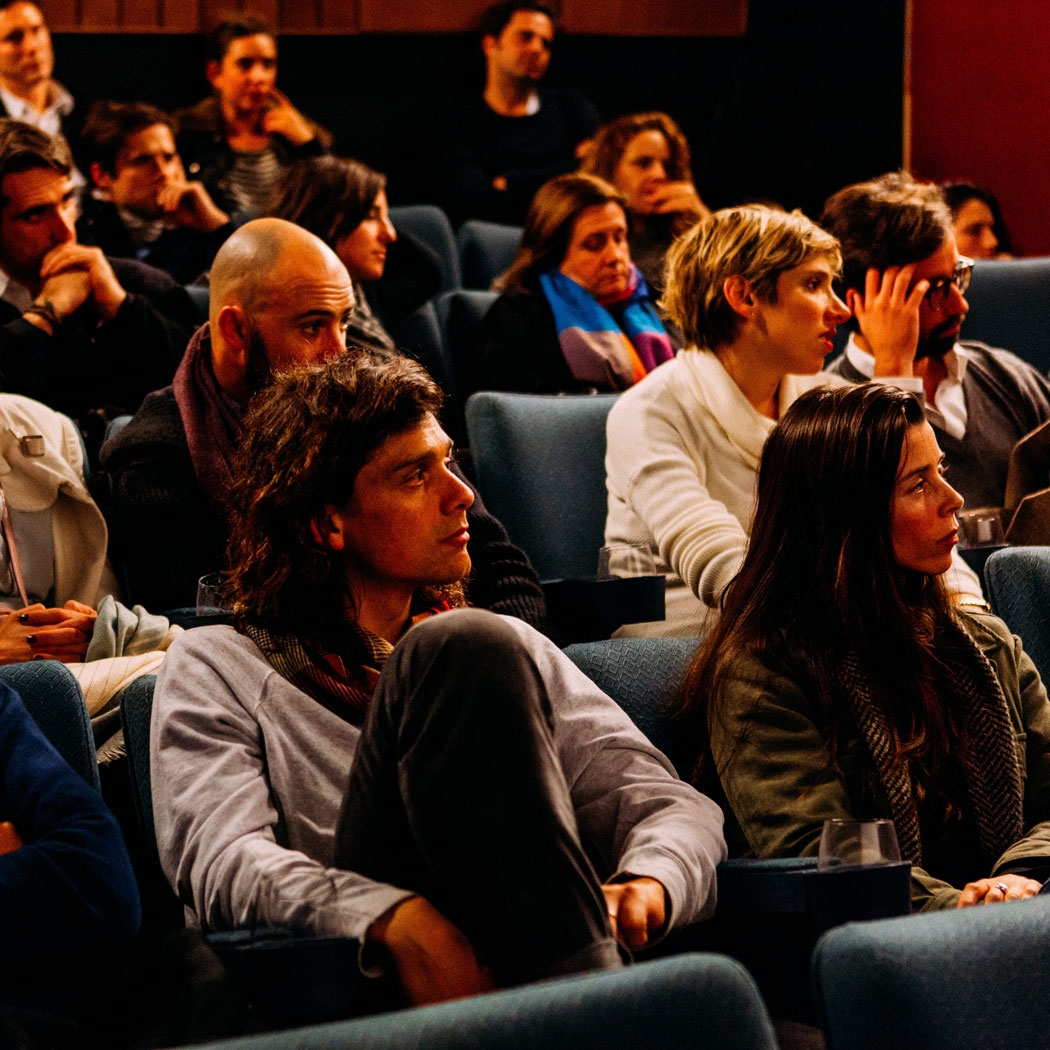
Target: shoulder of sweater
column 204, row 116
column 156, row 426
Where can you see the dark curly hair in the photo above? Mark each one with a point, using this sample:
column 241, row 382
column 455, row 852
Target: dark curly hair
column 306, row 437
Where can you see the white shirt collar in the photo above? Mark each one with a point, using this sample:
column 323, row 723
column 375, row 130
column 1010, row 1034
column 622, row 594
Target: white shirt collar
column 948, row 410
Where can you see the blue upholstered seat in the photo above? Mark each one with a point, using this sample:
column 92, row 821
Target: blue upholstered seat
column 486, row 249
column 968, row 979
column 1017, row 582
column 1010, row 307
column 52, row 696
column 706, row 1001
column 428, row 223
column 540, row 465
column 643, row 676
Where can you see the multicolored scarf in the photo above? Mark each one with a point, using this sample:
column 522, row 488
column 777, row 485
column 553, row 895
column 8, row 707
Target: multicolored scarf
column 341, row 677
column 612, row 343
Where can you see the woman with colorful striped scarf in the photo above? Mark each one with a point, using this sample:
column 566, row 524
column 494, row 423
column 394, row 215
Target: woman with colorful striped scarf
column 575, row 314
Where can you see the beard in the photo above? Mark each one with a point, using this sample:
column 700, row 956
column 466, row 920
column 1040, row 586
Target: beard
column 259, row 373
column 939, row 340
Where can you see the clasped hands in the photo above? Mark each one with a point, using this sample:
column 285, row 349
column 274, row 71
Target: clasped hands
column 435, row 962
column 37, row 632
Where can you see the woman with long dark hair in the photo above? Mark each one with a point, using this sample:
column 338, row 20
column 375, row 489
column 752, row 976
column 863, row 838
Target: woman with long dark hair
column 840, row 680
column 343, row 202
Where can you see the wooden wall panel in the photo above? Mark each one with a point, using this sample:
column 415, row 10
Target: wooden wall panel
column 597, row 17
column 655, row 17
column 100, row 15
column 340, row 15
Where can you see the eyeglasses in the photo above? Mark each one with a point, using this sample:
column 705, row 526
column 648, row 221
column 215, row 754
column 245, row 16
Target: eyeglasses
column 940, row 287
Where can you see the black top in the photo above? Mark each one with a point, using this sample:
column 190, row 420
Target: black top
column 183, row 254
column 527, row 151
column 86, row 366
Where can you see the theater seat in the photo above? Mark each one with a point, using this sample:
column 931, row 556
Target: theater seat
column 1017, row 582
column 486, row 250
column 1010, row 307
column 540, row 466
column 968, row 979
column 428, row 223
column 706, row 1001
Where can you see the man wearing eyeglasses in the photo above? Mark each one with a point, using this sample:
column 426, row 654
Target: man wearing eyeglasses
column 905, row 283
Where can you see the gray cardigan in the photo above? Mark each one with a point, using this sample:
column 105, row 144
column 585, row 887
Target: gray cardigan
column 249, row 774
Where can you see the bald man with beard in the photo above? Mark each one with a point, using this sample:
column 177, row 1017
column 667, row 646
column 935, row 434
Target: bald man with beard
column 280, row 298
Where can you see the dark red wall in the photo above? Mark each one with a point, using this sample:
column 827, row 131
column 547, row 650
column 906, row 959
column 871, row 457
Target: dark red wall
column 980, row 79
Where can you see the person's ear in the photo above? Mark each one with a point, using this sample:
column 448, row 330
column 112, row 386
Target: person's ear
column 853, row 296
column 740, row 295
column 212, row 70
column 234, row 328
column 488, row 42
column 99, row 176
column 328, row 528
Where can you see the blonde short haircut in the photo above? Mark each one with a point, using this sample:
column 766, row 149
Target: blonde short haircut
column 754, row 242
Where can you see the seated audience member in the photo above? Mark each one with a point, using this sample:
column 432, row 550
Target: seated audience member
column 28, row 89
column 69, row 903
column 841, row 682
column 905, row 283
column 279, row 297
column 344, row 203
column 977, row 221
column 141, row 206
column 506, row 143
column 752, row 290
column 504, row 820
column 575, row 314
column 57, row 591
column 646, row 157
column 239, row 139
column 78, row 331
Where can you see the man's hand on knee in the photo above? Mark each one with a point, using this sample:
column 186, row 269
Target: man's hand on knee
column 637, row 910
column 433, row 960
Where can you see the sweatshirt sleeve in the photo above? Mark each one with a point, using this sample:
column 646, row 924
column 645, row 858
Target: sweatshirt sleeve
column 634, row 814
column 219, row 825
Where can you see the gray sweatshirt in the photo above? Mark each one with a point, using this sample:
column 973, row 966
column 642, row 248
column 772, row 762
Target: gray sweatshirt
column 249, row 775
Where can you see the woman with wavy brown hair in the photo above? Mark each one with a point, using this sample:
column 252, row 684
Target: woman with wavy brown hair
column 840, row 680
column 646, row 157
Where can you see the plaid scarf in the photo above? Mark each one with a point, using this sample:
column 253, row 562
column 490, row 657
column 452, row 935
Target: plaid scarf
column 989, row 760
column 341, row 677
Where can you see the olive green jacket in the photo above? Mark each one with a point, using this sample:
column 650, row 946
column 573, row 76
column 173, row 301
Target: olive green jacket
column 771, row 754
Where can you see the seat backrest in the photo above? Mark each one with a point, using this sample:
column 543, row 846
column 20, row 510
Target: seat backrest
column 52, row 696
column 459, row 315
column 136, row 708
column 540, row 466
column 486, row 249
column 966, row 979
column 430, row 224
column 200, row 296
column 1017, row 582
column 643, row 676
column 1010, row 307
column 667, row 1004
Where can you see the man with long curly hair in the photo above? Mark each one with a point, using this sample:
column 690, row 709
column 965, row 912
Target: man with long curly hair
column 358, row 756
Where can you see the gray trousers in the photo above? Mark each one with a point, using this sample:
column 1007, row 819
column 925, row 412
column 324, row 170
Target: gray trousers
column 456, row 793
